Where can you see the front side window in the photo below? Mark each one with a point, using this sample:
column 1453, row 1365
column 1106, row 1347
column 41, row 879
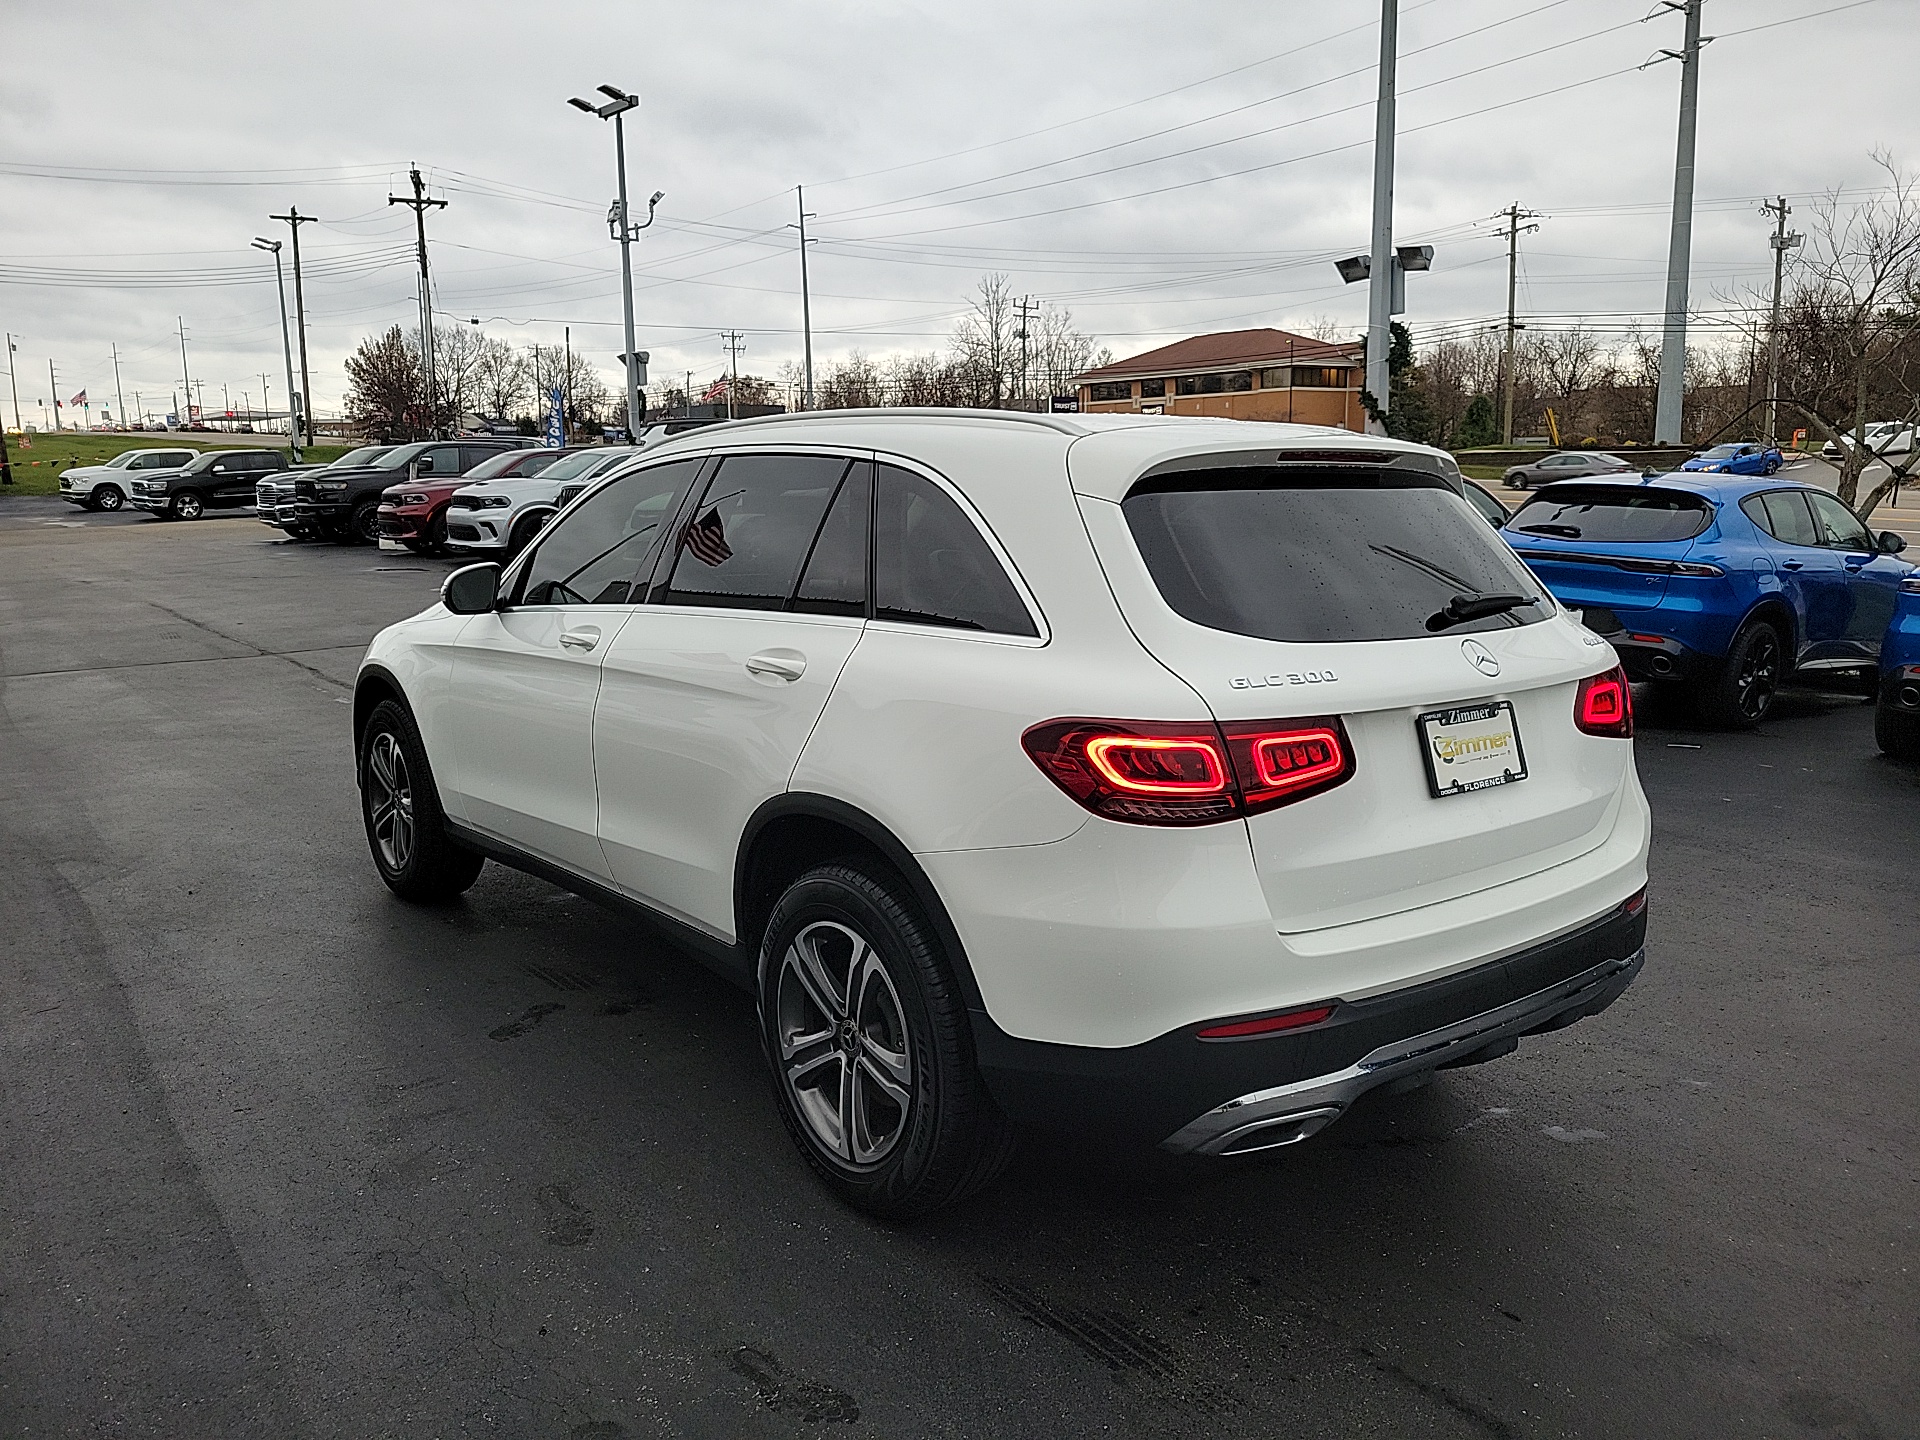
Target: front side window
column 931, row 565
column 1838, row 527
column 596, row 554
column 744, row 543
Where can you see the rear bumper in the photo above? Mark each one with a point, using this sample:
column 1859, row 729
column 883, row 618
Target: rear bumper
column 1647, row 653
column 1196, row 1096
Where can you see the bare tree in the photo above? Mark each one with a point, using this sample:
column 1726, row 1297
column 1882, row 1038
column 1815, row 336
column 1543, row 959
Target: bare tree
column 851, row 384
column 1856, row 301
column 456, row 360
column 1569, row 357
column 984, row 342
column 500, row 378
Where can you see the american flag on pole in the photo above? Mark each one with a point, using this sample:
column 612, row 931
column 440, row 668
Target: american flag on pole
column 715, row 391
column 705, row 538
column 79, row 399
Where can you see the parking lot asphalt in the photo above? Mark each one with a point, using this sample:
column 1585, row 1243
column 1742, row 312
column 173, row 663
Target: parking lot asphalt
column 280, row 1155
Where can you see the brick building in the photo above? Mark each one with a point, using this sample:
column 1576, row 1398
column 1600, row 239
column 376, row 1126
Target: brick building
column 1239, row 374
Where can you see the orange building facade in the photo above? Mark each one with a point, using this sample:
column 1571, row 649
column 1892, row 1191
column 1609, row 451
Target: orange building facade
column 1237, row 375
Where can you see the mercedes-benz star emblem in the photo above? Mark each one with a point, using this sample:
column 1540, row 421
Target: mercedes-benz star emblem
column 1480, row 657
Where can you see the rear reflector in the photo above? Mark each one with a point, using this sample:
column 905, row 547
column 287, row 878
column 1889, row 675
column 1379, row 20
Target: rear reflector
column 1635, row 902
column 1266, row 1024
column 1604, row 705
column 1649, row 639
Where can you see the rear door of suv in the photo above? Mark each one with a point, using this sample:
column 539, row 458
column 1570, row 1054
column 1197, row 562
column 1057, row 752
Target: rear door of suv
column 710, row 692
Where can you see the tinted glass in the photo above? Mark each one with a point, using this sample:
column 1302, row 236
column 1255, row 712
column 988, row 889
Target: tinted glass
column 495, row 464
column 397, row 458
column 835, row 579
column 1838, row 526
column 932, row 567
column 365, row 455
column 1613, row 513
column 594, row 556
column 1285, row 558
column 745, row 541
column 1723, row 452
column 1486, row 504
column 200, row 464
column 1782, row 514
column 572, row 467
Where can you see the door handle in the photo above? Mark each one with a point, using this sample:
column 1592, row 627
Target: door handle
column 1790, row 564
column 783, row 664
column 584, row 638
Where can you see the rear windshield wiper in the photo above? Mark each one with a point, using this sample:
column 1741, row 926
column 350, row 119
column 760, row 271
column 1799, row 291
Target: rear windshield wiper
column 1462, row 608
column 1571, row 532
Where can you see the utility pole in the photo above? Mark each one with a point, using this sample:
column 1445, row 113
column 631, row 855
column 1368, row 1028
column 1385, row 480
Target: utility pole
column 286, row 348
column 688, row 393
column 266, row 399
column 14, row 381
column 120, row 400
column 227, row 401
column 54, row 385
column 806, row 304
column 1027, row 307
column 735, row 343
column 201, row 386
column 1380, row 276
column 1782, row 240
column 186, row 380
column 300, row 412
column 1514, row 216
column 1667, row 418
column 420, row 204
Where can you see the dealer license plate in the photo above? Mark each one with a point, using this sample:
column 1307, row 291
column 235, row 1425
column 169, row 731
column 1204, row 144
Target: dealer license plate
column 1471, row 747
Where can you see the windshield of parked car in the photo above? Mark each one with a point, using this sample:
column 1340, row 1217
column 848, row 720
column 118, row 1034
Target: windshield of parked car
column 1721, row 452
column 571, row 467
column 200, row 463
column 365, row 455
column 397, row 458
column 1612, row 513
column 1283, row 555
column 499, row 465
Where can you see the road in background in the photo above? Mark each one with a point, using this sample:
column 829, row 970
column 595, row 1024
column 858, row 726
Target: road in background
column 284, row 1156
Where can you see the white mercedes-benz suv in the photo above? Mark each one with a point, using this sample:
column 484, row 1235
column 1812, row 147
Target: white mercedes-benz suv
column 1184, row 779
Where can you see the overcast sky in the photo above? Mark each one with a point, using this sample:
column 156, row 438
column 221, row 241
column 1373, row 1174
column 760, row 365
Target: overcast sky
column 1162, row 170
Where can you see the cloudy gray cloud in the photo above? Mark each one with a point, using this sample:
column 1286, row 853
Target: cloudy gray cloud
column 1161, row 170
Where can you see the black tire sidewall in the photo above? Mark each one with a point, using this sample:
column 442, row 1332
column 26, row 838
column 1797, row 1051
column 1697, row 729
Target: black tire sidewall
column 107, row 497
column 846, row 892
column 1720, row 697
column 182, row 501
column 436, row 869
column 363, row 526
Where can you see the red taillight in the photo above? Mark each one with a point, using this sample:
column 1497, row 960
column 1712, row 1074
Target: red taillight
column 1154, row 773
column 1604, row 705
column 1635, row 902
column 1266, row 1024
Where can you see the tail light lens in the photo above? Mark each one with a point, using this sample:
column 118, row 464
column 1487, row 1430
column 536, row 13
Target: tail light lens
column 1604, row 705
column 1154, row 773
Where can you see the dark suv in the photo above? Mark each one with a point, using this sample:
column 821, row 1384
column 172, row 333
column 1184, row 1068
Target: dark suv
column 345, row 503
column 217, row 480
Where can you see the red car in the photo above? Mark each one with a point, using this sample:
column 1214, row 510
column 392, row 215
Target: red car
column 415, row 513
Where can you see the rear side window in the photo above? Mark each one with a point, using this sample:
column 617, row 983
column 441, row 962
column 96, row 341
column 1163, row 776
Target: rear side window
column 835, row 580
column 1622, row 513
column 1783, row 515
column 931, row 565
column 1286, row 556
column 744, row 543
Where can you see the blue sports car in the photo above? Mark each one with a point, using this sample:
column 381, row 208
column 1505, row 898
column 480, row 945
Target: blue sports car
column 1724, row 585
column 1896, row 719
column 1742, row 459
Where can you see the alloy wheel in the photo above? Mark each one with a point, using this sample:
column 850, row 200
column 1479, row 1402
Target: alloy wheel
column 845, row 1055
column 187, row 505
column 390, row 800
column 108, row 498
column 1759, row 674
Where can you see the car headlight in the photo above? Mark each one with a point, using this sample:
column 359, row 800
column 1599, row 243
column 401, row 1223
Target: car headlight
column 492, row 502
column 331, row 487
column 412, row 500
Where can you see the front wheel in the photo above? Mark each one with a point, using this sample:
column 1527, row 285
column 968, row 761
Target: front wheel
column 1897, row 733
column 187, row 506
column 872, row 1056
column 406, row 829
column 364, row 527
column 523, row 532
column 108, row 497
column 1738, row 692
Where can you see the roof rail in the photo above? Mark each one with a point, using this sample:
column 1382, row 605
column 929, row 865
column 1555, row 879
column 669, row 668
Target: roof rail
column 1059, row 424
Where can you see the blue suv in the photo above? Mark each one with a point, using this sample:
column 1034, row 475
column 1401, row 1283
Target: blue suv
column 1896, row 719
column 1724, row 584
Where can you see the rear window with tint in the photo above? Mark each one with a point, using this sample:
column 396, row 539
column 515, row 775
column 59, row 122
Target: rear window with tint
column 1285, row 556
column 1612, row 513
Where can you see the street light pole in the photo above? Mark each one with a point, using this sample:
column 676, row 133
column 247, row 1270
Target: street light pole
column 1380, row 275
column 304, row 404
column 14, row 381
column 286, row 345
column 626, row 232
column 1667, row 415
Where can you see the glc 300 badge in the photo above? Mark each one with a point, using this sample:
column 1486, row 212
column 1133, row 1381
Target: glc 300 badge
column 1481, row 658
column 1290, row 677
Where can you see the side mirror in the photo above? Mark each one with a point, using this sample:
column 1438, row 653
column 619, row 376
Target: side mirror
column 1889, row 543
column 472, row 589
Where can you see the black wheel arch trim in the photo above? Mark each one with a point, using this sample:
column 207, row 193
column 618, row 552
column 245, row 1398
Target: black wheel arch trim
column 807, row 805
column 373, row 684
column 1779, row 614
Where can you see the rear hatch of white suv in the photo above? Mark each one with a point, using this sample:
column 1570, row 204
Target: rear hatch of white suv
column 1356, row 592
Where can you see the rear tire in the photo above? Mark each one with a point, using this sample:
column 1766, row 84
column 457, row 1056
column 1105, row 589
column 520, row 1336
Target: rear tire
column 867, row 1036
column 1737, row 693
column 400, row 805
column 107, row 497
column 1896, row 732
